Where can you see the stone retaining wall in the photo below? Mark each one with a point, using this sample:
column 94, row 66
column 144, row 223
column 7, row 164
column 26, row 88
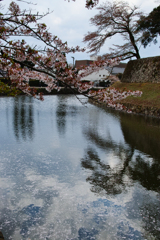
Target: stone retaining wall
column 142, row 70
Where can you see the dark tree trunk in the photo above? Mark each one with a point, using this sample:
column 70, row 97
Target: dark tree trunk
column 134, row 44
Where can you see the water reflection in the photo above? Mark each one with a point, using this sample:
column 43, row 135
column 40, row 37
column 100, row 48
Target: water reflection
column 151, row 217
column 144, row 136
column 142, row 133
column 28, row 218
column 148, row 174
column 23, row 121
column 132, row 166
column 61, row 115
column 103, row 177
column 44, row 192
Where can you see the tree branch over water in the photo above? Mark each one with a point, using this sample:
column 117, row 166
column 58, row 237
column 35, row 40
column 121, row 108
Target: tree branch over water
column 45, row 61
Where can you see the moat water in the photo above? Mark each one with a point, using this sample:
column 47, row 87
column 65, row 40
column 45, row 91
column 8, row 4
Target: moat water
column 75, row 172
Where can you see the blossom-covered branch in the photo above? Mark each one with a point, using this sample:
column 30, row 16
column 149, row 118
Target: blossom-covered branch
column 112, row 96
column 46, row 62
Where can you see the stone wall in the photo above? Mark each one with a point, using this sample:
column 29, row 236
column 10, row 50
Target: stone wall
column 142, row 70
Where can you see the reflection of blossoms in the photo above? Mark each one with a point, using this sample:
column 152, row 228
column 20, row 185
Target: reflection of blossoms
column 111, row 96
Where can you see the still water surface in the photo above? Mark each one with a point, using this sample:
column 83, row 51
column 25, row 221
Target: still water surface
column 69, row 172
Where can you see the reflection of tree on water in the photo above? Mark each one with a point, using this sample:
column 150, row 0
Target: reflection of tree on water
column 115, row 180
column 105, row 178
column 23, row 121
column 61, row 115
column 147, row 174
column 142, row 133
column 132, row 166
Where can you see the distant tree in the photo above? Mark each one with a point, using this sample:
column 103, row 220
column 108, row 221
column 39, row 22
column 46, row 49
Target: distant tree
column 91, row 3
column 117, row 18
column 150, row 26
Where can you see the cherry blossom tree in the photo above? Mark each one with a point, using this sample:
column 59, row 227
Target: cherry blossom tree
column 46, row 62
column 20, row 61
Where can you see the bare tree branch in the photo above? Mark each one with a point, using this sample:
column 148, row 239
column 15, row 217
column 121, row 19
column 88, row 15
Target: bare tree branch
column 112, row 19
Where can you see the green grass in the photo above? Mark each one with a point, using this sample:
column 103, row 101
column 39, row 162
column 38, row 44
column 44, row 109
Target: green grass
column 6, row 90
column 150, row 96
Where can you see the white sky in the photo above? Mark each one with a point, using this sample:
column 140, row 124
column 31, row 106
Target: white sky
column 70, row 22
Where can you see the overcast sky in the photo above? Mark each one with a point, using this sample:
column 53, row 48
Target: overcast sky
column 70, row 22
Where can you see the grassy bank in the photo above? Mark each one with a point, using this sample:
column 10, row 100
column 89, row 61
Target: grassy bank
column 6, row 90
column 148, row 103
column 149, row 98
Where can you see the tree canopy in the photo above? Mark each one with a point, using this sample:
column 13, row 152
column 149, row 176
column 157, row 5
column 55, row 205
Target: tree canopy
column 44, row 60
column 29, row 51
column 116, row 18
column 150, row 26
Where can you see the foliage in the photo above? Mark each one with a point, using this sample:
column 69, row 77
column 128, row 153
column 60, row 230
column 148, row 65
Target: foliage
column 5, row 89
column 117, row 18
column 91, row 3
column 150, row 26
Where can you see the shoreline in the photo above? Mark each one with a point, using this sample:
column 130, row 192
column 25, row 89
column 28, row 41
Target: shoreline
column 148, row 104
column 136, row 109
